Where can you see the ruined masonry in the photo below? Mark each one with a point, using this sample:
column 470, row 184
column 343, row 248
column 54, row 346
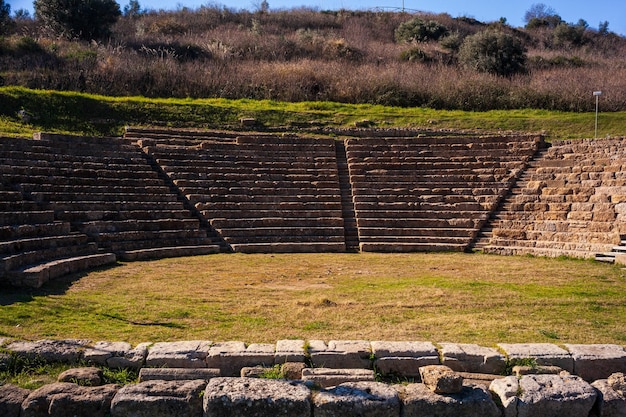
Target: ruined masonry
column 69, row 204
column 317, row 378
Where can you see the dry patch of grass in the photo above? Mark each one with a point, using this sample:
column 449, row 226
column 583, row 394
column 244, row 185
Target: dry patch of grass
column 472, row 298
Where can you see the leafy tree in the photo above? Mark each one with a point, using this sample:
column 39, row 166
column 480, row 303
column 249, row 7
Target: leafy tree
column 538, row 11
column 419, row 30
column 133, row 9
column 5, row 17
column 540, row 15
column 84, row 19
column 493, row 52
column 603, row 28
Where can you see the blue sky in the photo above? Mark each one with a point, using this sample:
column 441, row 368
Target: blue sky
column 594, row 12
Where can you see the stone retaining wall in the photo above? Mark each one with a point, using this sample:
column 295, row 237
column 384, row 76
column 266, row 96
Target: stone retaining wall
column 338, row 378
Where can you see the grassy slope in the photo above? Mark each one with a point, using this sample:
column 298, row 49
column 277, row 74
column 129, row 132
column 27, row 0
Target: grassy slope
column 471, row 298
column 98, row 115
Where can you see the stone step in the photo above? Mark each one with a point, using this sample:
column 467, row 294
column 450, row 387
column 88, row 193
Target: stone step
column 218, row 191
column 402, row 212
column 11, row 247
column 242, row 215
column 278, row 206
column 23, row 259
column 263, row 198
column 111, row 196
column 405, row 239
column 168, row 252
column 365, row 232
column 220, row 223
column 276, row 187
column 275, row 232
column 411, row 247
column 24, row 231
column 290, row 247
column 36, row 276
column 8, row 218
column 79, row 216
column 111, row 226
column 414, row 222
column 311, row 237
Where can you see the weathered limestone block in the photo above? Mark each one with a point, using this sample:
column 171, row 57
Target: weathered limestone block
column 472, row 358
column 441, row 380
column 159, row 399
column 66, row 351
column 342, row 354
column 83, row 376
column 592, row 362
column 403, row 358
column 177, row 374
column 134, row 358
column 253, row 371
column 520, row 370
column 101, row 352
column 231, row 357
column 472, row 401
column 543, row 353
column 117, row 354
column 544, row 395
column 617, row 381
column 289, row 351
column 237, row 397
column 11, row 398
column 63, row 399
column 293, row 370
column 187, row 354
column 611, row 403
column 330, row 377
column 359, row 399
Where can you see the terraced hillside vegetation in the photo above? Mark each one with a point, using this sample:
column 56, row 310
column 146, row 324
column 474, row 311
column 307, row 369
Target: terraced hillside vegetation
column 375, row 57
column 73, row 203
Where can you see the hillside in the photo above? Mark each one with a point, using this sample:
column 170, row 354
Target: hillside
column 308, row 55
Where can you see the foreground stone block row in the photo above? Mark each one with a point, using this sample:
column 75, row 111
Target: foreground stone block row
column 531, row 395
column 404, row 359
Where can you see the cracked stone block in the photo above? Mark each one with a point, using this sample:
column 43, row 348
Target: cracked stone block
column 371, row 399
column 327, row 377
column 611, row 403
column 11, row 398
column 466, row 357
column 236, row 397
column 177, row 374
column 101, row 352
column 472, row 401
column 403, row 358
column 65, row 351
column 544, row 395
column 231, row 357
column 159, row 399
column 543, row 353
column 593, row 362
column 289, row 351
column 187, row 354
column 63, row 399
column 343, row 354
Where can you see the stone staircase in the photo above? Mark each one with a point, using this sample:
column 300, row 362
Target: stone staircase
column 609, row 257
column 569, row 202
column 351, row 231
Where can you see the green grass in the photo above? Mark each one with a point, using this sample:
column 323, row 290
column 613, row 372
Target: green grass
column 70, row 112
column 472, row 298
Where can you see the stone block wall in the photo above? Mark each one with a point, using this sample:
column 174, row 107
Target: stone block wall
column 199, row 378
